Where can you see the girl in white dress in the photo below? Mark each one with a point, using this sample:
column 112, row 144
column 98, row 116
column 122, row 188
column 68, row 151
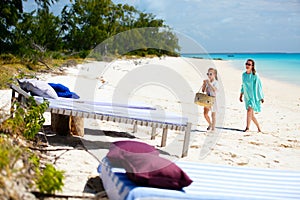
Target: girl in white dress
column 210, row 86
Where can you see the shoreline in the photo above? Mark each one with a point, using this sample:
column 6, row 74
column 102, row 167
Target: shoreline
column 277, row 66
column 268, row 78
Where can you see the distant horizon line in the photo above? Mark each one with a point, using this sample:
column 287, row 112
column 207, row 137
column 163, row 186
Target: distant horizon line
column 244, row 53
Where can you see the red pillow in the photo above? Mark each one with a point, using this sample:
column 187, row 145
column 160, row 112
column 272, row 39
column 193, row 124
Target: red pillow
column 118, row 150
column 155, row 171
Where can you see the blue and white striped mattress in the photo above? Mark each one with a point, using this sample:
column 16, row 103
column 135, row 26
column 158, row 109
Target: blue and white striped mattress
column 210, row 181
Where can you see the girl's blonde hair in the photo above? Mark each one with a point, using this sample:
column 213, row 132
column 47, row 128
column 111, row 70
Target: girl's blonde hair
column 215, row 71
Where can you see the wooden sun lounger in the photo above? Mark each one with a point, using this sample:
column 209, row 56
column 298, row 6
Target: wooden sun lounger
column 62, row 115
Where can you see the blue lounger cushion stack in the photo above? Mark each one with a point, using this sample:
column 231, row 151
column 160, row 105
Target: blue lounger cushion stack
column 210, row 181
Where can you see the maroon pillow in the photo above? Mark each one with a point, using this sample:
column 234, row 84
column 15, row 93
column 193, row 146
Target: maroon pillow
column 118, row 150
column 155, row 171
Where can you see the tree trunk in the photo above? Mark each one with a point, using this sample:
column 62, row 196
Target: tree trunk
column 60, row 124
column 77, row 126
column 65, row 125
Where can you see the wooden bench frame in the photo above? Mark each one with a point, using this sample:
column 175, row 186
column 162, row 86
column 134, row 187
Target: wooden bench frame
column 20, row 95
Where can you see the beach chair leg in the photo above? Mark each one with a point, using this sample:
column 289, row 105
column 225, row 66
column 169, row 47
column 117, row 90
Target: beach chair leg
column 12, row 101
column 164, row 137
column 186, row 142
column 153, row 132
column 60, row 124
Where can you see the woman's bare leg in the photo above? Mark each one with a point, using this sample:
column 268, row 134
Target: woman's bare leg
column 249, row 118
column 206, row 110
column 255, row 122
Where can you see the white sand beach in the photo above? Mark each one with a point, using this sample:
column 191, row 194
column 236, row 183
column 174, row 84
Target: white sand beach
column 277, row 147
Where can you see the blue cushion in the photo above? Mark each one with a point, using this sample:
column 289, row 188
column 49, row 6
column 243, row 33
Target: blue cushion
column 63, row 91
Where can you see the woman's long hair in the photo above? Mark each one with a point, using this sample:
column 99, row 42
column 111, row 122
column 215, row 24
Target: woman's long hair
column 253, row 66
column 215, row 71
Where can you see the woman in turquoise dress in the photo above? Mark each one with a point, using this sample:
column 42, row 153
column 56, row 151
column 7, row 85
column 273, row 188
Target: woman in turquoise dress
column 252, row 92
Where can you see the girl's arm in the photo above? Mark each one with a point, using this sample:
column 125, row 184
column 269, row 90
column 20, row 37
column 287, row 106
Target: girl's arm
column 204, row 86
column 214, row 89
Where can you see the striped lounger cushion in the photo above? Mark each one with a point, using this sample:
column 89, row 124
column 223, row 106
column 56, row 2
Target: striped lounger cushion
column 210, row 182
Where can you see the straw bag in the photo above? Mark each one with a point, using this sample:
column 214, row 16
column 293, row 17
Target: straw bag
column 203, row 99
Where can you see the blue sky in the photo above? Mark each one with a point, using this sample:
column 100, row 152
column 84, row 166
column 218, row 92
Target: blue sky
column 228, row 26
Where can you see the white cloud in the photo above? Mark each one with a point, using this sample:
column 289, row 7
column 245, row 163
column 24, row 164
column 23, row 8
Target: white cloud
column 229, row 24
column 248, row 21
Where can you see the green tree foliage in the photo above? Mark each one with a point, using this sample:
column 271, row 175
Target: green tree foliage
column 79, row 28
column 26, row 121
column 10, row 13
column 50, row 180
column 19, row 164
column 9, row 155
column 37, row 34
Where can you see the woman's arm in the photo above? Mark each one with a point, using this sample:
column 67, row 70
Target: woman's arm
column 241, row 97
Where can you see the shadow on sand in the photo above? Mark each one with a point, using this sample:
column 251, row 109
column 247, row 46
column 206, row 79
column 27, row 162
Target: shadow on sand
column 92, row 140
column 230, row 129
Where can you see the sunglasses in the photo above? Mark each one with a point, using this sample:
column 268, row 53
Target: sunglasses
column 209, row 74
column 248, row 64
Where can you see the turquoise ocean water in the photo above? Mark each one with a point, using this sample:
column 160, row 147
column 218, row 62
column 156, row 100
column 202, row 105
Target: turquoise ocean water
column 279, row 66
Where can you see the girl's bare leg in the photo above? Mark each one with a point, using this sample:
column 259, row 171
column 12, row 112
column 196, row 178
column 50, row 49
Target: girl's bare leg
column 249, row 118
column 255, row 122
column 213, row 117
column 206, row 110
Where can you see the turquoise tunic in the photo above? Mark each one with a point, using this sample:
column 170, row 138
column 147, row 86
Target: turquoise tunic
column 252, row 90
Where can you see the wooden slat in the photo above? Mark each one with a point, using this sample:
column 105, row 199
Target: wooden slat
column 145, row 123
column 123, row 120
column 19, row 90
column 68, row 112
column 105, row 118
column 119, row 120
column 134, row 126
column 138, row 122
column 85, row 115
column 90, row 116
column 159, row 125
column 76, row 114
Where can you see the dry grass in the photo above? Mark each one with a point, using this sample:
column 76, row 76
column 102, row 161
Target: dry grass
column 12, row 67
